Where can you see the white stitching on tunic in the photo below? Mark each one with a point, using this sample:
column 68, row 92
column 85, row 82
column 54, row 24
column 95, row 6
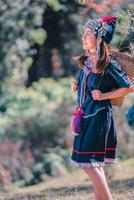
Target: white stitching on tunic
column 94, row 113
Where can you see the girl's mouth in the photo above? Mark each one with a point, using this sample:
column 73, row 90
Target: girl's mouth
column 84, row 44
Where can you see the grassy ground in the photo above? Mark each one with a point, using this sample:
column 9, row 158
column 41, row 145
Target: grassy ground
column 77, row 186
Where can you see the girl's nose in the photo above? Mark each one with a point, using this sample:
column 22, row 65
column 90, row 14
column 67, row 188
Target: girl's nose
column 84, row 37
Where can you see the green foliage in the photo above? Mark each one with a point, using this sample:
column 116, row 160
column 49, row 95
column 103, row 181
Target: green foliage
column 38, row 36
column 33, row 113
column 20, row 29
column 34, row 27
column 48, row 165
column 53, row 163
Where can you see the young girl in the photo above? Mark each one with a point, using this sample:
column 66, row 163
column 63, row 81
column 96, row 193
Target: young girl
column 97, row 142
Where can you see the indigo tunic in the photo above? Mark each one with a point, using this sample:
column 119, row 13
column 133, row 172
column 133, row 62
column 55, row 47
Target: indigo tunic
column 97, row 143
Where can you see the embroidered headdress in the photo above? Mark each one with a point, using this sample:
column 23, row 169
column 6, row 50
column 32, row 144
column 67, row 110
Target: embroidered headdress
column 103, row 28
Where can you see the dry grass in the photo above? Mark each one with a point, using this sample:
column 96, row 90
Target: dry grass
column 77, row 186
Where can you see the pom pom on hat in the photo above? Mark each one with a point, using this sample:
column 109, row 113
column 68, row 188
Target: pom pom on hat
column 111, row 21
column 108, row 18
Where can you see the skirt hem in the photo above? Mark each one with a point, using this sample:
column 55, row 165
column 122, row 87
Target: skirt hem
column 108, row 161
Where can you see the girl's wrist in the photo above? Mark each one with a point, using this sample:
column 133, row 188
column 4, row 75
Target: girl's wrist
column 104, row 96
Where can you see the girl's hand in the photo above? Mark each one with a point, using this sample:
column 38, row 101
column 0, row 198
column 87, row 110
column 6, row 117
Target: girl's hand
column 74, row 86
column 97, row 95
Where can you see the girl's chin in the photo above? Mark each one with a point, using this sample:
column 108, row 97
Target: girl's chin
column 85, row 48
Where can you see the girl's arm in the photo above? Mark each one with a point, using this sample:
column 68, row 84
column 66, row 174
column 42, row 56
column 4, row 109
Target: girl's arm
column 117, row 93
column 98, row 95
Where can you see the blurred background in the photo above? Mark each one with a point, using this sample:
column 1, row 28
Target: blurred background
column 38, row 39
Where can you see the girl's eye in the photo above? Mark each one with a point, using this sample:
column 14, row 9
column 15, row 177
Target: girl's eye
column 87, row 36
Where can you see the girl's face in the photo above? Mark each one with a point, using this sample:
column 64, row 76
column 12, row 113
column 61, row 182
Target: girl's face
column 89, row 40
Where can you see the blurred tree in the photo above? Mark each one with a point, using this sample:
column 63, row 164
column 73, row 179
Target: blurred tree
column 20, row 29
column 61, row 27
column 39, row 38
column 29, row 31
column 100, row 6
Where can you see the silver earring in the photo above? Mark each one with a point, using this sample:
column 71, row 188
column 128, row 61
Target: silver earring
column 98, row 47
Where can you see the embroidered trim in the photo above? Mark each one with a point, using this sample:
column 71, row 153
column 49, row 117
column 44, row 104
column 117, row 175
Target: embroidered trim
column 86, row 116
column 89, row 152
column 110, row 160
column 94, row 164
column 83, row 165
column 95, row 152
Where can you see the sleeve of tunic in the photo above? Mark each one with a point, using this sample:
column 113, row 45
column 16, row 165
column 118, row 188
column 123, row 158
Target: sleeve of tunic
column 77, row 76
column 120, row 78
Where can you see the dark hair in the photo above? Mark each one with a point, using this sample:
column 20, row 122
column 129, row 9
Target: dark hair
column 103, row 60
